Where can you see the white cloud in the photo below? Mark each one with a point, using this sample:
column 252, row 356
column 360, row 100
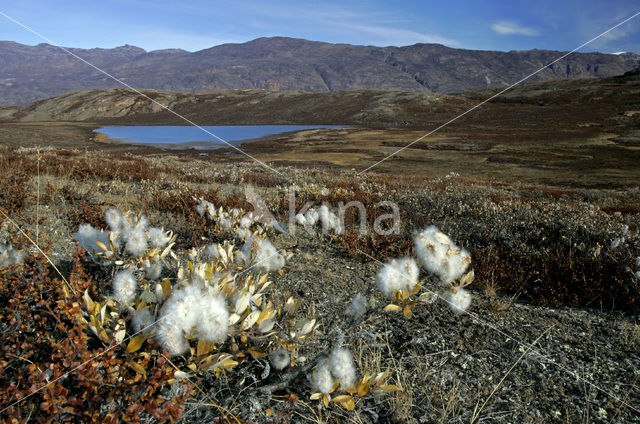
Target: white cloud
column 623, row 38
column 510, row 27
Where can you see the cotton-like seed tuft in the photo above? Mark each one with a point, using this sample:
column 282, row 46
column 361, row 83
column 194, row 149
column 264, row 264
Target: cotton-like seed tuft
column 243, row 233
column 10, row 256
column 225, row 223
column 125, row 286
column 357, row 307
column 141, row 224
column 265, row 255
column 323, row 215
column 342, row 368
column 142, row 321
column 115, row 220
column 152, row 269
column 460, row 300
column 321, row 379
column 246, row 221
column 171, row 338
column 312, row 217
column 279, row 358
column 212, row 324
column 192, row 310
column 206, row 207
column 397, row 274
column 136, row 242
column 301, row 220
column 87, row 237
column 211, row 251
column 441, row 256
column 157, row 238
column 329, row 220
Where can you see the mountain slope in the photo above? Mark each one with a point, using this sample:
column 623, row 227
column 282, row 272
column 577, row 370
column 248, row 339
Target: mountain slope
column 610, row 102
column 29, row 73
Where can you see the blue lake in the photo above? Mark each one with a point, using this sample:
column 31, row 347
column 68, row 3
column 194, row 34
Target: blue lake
column 205, row 137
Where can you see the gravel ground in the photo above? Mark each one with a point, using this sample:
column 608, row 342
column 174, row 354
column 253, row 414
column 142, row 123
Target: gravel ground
column 530, row 364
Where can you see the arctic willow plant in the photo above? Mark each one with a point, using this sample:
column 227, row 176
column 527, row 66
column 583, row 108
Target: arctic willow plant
column 441, row 257
column 209, row 304
column 212, row 305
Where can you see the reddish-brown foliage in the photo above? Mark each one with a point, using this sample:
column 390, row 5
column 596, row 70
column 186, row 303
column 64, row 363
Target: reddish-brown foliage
column 51, row 370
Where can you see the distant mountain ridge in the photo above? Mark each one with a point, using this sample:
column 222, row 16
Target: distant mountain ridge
column 29, row 73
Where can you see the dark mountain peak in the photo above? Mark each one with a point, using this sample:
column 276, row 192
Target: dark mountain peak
column 168, row 51
column 279, row 40
column 29, row 73
column 130, row 49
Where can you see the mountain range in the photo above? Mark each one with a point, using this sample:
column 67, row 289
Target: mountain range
column 29, row 73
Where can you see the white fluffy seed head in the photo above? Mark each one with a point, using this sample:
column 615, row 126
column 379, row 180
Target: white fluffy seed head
column 142, row 321
column 358, row 306
column 312, row 217
column 279, row 358
column 324, row 216
column 226, row 223
column 157, row 237
column 246, row 221
column 342, row 368
column 321, row 378
column 125, row 286
column 211, row 251
column 136, row 242
column 460, row 300
column 265, row 255
column 192, row 310
column 301, row 220
column 397, row 274
column 206, row 207
column 152, row 269
column 213, row 321
column 329, row 220
column 114, row 220
column 171, row 338
column 87, row 237
column 201, row 208
column 440, row 256
column 243, row 233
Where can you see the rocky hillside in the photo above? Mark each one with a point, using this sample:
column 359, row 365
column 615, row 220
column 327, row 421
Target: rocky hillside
column 567, row 100
column 227, row 107
column 29, row 73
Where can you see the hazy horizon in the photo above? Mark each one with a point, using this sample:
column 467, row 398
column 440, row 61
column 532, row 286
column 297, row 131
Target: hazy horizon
column 297, row 38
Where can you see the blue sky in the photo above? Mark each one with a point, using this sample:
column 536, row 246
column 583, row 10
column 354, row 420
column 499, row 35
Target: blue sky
column 199, row 24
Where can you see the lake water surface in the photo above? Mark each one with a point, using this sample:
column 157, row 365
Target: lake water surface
column 176, row 137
